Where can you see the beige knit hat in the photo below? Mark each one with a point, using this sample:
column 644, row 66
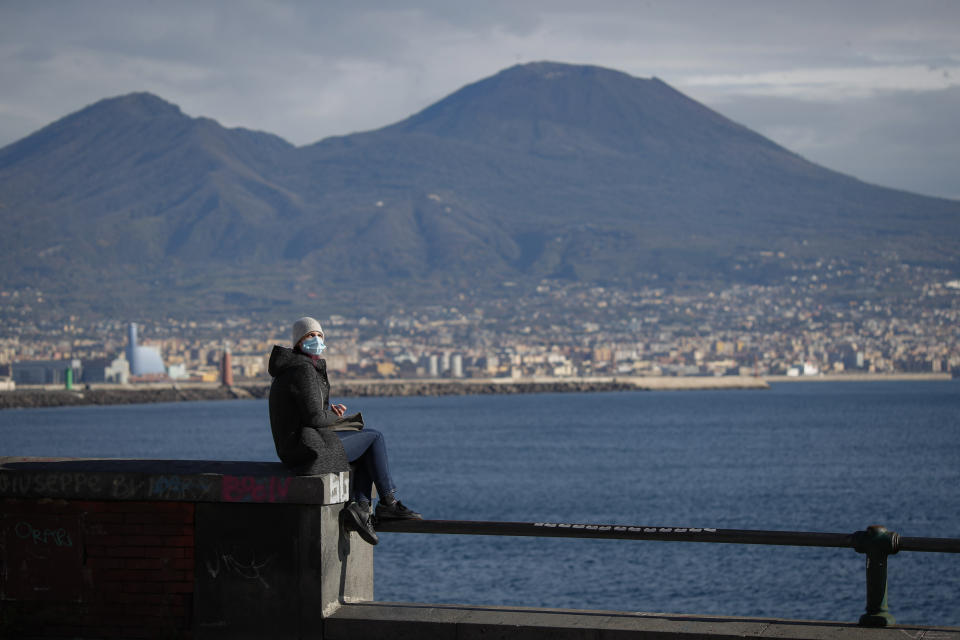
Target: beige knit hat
column 303, row 326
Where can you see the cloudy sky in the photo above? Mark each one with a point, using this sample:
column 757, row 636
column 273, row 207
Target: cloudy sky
column 867, row 87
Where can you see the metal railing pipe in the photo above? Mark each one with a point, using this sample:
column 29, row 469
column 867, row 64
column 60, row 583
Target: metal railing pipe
column 672, row 534
column 876, row 542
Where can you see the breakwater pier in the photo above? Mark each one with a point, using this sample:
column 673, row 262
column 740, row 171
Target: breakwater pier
column 209, row 549
column 28, row 396
column 106, row 394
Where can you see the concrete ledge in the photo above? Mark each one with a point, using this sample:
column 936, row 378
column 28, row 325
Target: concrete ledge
column 166, row 480
column 398, row 621
column 93, row 548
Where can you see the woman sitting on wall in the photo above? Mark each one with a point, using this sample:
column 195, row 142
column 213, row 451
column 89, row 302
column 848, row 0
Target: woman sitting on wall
column 312, row 436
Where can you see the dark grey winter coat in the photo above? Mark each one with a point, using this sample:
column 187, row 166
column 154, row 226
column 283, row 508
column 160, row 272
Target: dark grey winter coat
column 302, row 422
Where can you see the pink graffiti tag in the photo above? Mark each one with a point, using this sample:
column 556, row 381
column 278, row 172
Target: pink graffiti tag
column 253, row 489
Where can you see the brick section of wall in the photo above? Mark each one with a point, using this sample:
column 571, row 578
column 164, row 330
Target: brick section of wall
column 97, row 569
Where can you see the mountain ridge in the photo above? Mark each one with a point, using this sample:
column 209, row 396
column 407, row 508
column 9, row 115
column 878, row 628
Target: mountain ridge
column 543, row 170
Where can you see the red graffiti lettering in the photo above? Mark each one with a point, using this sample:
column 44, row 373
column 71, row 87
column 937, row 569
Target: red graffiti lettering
column 279, row 488
column 252, row 489
column 231, row 486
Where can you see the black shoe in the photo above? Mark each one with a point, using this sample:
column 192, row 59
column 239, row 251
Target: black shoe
column 396, row 511
column 355, row 517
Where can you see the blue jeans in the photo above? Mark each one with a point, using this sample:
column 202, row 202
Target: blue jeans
column 368, row 450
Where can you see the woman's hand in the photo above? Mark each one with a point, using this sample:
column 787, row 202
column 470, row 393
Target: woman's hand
column 339, row 409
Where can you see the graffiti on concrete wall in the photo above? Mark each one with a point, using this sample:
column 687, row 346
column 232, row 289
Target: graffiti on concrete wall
column 40, row 535
column 244, row 565
column 50, row 483
column 254, row 489
column 41, row 555
column 181, row 488
column 133, row 486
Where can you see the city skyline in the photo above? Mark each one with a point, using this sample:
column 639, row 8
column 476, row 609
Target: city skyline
column 564, row 331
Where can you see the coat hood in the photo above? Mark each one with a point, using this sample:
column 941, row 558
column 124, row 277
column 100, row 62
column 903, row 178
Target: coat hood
column 282, row 358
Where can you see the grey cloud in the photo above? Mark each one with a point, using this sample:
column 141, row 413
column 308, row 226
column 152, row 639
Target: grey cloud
column 906, row 140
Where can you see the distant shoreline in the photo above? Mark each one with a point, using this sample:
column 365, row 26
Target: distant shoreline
column 864, row 377
column 113, row 394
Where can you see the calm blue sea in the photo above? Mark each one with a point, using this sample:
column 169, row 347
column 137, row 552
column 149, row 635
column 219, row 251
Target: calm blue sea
column 830, row 457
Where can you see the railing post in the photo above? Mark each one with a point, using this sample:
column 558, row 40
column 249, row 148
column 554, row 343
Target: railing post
column 877, row 543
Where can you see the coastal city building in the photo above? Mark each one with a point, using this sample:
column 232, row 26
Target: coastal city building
column 144, row 360
column 556, row 330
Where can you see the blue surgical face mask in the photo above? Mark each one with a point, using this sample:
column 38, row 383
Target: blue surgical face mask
column 313, row 346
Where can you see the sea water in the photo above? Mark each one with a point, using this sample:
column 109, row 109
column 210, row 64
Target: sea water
column 823, row 457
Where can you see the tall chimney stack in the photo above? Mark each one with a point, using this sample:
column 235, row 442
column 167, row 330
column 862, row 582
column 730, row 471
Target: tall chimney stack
column 132, row 349
column 226, row 368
